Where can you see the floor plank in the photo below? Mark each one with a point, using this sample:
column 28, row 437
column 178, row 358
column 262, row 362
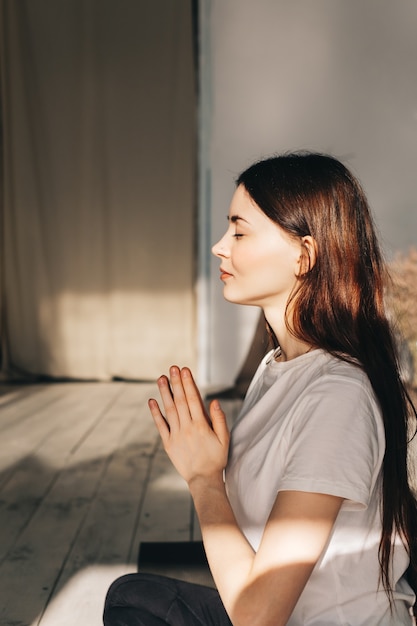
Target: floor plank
column 103, row 547
column 46, row 493
column 37, row 454
column 83, row 480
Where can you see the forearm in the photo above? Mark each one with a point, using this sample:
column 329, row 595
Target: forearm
column 229, row 554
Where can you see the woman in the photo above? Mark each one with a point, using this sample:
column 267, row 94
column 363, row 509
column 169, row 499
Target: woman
column 315, row 522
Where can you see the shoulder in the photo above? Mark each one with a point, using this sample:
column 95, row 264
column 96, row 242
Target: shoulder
column 339, row 387
column 336, row 441
column 338, row 373
column 325, row 399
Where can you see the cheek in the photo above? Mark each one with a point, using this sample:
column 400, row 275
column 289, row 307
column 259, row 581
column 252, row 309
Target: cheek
column 273, row 267
column 257, row 254
column 270, row 261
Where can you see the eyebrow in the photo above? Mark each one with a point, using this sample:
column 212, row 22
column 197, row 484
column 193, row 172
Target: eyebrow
column 236, row 218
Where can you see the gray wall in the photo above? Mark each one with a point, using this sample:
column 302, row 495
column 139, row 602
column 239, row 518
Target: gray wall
column 330, row 75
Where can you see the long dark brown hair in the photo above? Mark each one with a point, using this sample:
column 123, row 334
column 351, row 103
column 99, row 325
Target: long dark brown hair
column 340, row 308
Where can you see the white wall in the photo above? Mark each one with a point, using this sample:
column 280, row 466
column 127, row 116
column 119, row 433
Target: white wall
column 331, row 75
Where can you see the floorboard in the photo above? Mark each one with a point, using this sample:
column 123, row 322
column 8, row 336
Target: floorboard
column 83, row 481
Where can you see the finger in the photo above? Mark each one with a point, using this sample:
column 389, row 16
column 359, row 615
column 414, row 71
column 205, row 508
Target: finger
column 179, row 396
column 219, row 423
column 160, row 422
column 171, row 415
column 192, row 393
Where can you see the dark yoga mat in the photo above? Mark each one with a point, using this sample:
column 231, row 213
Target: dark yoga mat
column 185, row 560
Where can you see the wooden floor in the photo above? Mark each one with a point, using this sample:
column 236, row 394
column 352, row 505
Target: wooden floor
column 83, row 480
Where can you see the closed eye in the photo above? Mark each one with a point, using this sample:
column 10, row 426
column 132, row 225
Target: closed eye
column 238, row 235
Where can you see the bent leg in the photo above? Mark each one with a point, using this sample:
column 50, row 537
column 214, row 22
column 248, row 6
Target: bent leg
column 151, row 600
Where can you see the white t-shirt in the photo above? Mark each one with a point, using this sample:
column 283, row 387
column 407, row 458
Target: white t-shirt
column 313, row 424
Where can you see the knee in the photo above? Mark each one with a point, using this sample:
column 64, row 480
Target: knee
column 117, row 599
column 120, row 591
column 132, row 596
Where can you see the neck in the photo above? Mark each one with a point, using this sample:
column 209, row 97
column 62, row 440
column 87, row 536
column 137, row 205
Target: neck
column 291, row 350
column 291, row 346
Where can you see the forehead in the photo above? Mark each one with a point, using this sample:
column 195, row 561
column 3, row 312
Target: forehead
column 243, row 209
column 242, row 204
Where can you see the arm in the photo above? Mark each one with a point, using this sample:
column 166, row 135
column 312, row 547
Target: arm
column 261, row 587
column 264, row 587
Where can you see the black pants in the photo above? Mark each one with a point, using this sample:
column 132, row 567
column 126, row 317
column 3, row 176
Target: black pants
column 152, row 600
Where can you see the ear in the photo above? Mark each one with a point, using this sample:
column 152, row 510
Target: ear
column 308, row 255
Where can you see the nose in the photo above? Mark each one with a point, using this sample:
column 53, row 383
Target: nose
column 220, row 248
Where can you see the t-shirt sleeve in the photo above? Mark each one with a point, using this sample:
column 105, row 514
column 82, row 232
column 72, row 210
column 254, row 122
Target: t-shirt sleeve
column 336, row 444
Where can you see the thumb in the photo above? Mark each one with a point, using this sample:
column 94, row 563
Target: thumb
column 218, row 421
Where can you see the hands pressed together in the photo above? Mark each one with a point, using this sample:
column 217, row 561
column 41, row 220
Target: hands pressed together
column 197, row 442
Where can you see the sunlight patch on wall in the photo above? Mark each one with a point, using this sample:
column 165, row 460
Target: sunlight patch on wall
column 114, row 334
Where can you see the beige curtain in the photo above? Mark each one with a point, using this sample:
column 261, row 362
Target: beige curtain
column 98, row 105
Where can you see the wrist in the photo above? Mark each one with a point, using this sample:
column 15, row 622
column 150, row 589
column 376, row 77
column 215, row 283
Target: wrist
column 210, row 501
column 203, row 483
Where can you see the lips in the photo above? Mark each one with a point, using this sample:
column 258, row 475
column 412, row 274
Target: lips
column 224, row 275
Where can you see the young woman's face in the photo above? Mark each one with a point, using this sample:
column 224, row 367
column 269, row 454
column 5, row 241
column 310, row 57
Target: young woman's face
column 259, row 261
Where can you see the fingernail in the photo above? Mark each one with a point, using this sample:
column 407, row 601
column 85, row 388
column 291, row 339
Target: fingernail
column 174, row 371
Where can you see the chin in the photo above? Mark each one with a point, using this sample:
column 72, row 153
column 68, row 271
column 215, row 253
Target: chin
column 236, row 299
column 231, row 297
